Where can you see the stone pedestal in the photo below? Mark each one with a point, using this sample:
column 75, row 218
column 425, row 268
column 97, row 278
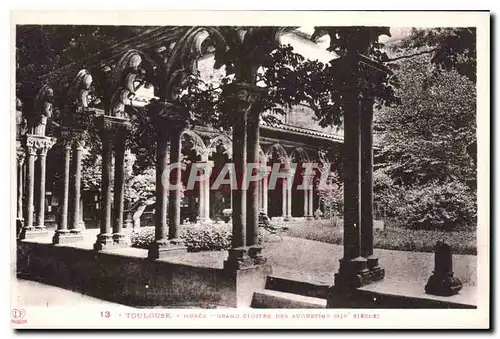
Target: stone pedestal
column 244, row 257
column 244, row 282
column 165, row 248
column 442, row 282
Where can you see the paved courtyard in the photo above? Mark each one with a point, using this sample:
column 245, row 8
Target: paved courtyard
column 292, row 258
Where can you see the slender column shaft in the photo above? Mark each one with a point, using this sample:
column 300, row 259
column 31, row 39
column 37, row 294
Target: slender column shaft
column 77, row 175
column 367, row 177
column 20, row 189
column 63, row 225
column 239, row 194
column 306, row 198
column 201, row 197
column 265, row 194
column 352, row 222
column 206, row 192
column 252, row 193
column 82, row 222
column 106, row 197
column 289, row 197
column 31, row 187
column 162, row 161
column 175, row 179
column 311, row 201
column 119, row 186
column 42, row 158
column 284, row 198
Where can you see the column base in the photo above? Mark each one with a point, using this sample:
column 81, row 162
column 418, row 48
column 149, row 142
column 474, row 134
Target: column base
column 121, row 239
column 354, row 273
column 81, row 225
column 288, row 218
column 19, row 226
column 66, row 237
column 443, row 285
column 167, row 247
column 31, row 232
column 309, row 217
column 244, row 257
column 206, row 221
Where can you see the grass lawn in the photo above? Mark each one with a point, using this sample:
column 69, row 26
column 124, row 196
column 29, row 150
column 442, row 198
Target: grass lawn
column 391, row 238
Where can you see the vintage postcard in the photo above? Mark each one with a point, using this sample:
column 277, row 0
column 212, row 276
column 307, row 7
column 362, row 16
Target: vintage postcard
column 289, row 170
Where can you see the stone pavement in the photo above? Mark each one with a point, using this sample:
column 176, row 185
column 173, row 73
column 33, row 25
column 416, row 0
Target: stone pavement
column 32, row 293
column 293, row 258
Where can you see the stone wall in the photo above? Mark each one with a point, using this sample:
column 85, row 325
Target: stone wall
column 138, row 281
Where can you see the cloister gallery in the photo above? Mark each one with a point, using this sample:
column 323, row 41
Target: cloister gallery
column 128, row 76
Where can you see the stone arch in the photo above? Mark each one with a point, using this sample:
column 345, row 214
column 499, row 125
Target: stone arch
column 299, row 154
column 198, row 144
column 222, row 140
column 133, row 70
column 80, row 89
column 42, row 111
column 280, row 151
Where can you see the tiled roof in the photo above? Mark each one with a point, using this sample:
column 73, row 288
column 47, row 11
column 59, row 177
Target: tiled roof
column 302, row 130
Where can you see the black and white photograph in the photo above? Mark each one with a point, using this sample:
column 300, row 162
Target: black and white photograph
column 312, row 174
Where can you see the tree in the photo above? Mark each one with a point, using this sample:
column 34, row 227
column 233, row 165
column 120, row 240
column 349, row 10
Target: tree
column 449, row 48
column 426, row 175
column 426, row 137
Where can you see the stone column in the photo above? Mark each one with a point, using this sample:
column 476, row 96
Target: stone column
column 245, row 138
column 174, row 211
column 306, row 195
column 353, row 267
column 105, row 238
column 42, row 158
column 253, row 192
column 20, row 188
column 288, row 188
column 284, row 197
column 33, row 144
column 265, row 184
column 310, row 215
column 170, row 121
column 205, row 168
column 162, row 159
column 76, row 189
column 366, row 107
column 31, row 150
column 119, row 238
column 62, row 227
column 81, row 224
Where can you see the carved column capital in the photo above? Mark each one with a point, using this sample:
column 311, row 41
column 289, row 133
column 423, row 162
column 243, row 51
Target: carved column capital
column 72, row 136
column 38, row 143
column 114, row 127
column 168, row 116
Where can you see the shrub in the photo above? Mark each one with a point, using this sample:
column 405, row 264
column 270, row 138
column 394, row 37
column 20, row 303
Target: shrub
column 447, row 207
column 197, row 237
column 393, row 237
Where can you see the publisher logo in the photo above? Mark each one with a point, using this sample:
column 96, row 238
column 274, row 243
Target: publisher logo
column 18, row 316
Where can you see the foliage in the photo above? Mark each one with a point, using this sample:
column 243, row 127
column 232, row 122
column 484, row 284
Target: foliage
column 332, row 196
column 204, row 237
column 447, row 207
column 451, row 48
column 43, row 48
column 426, row 137
column 393, row 237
